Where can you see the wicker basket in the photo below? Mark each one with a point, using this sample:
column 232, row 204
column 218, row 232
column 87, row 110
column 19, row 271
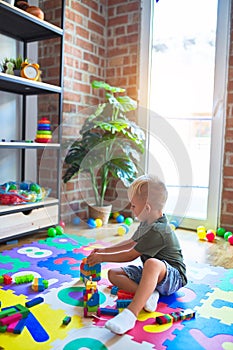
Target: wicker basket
column 102, row 213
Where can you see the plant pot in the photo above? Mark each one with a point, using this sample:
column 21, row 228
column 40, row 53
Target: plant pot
column 102, row 213
column 17, row 72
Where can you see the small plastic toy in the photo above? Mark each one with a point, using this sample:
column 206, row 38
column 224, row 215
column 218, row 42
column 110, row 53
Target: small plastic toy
column 62, row 224
column 91, row 299
column 221, row 231
column 210, row 235
column 201, row 232
column 39, row 284
column 24, row 279
column 227, row 235
column 76, row 220
column 66, row 320
column 86, row 271
column 52, row 232
column 122, row 230
column 108, row 311
column 128, row 221
column 91, row 223
column 175, row 316
column 59, row 230
column 13, row 319
column 120, row 219
column 44, row 133
column 123, row 303
column 34, row 302
column 115, row 215
column 7, row 279
column 230, row 240
column 98, row 222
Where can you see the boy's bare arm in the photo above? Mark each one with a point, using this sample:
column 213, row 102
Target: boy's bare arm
column 122, row 256
column 121, row 246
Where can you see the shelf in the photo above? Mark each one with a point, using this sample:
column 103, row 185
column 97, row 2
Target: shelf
column 29, row 145
column 23, row 26
column 6, row 209
column 22, row 86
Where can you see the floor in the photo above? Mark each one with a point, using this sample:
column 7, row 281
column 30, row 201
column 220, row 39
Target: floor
column 218, row 253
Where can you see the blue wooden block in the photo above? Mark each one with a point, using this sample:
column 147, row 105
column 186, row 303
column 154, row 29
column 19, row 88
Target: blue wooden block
column 34, row 302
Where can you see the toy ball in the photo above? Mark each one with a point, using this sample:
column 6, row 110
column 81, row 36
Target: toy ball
column 115, row 215
column 221, row 231
column 227, row 235
column 76, row 220
column 230, row 240
column 52, row 232
column 122, row 230
column 59, row 230
column 174, row 223
column 173, row 227
column 62, row 224
column 120, row 219
column 211, row 230
column 98, row 222
column 201, row 234
column 201, row 228
column 91, row 223
column 128, row 221
column 210, row 236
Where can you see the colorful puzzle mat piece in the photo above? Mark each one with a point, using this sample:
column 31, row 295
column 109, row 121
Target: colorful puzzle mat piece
column 54, row 278
column 34, row 252
column 43, row 325
column 209, row 292
column 67, row 241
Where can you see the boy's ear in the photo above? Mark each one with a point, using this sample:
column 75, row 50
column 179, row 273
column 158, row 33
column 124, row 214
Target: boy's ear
column 148, row 207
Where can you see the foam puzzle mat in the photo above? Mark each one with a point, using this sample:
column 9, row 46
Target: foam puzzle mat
column 209, row 292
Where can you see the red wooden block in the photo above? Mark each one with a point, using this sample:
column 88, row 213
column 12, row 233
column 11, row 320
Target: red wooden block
column 7, row 279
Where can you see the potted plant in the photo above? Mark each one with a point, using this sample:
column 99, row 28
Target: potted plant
column 109, row 147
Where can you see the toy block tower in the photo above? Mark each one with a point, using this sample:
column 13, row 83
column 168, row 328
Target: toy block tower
column 91, row 299
column 86, row 271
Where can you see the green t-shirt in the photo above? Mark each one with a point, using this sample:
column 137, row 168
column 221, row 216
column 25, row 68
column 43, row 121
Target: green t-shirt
column 159, row 241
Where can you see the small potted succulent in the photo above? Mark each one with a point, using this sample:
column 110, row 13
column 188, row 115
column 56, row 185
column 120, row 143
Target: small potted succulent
column 12, row 65
column 109, row 147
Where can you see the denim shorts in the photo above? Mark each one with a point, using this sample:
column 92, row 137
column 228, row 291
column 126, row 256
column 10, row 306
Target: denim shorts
column 169, row 285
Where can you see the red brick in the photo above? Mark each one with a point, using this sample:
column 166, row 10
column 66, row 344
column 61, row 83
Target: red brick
column 80, row 9
column 130, row 7
column 95, row 27
column 98, row 18
column 116, row 21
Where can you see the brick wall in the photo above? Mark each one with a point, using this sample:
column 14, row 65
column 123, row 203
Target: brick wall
column 101, row 42
column 226, row 218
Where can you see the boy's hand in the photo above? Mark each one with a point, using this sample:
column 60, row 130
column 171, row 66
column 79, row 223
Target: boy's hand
column 98, row 250
column 94, row 258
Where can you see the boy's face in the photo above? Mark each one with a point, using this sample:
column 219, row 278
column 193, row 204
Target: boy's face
column 138, row 207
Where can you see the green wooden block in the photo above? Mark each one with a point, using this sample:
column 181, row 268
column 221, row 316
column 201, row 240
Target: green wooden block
column 23, row 310
column 3, row 329
column 8, row 312
column 93, row 308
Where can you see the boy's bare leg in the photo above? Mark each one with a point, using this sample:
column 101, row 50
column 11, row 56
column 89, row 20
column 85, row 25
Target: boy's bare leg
column 119, row 278
column 153, row 272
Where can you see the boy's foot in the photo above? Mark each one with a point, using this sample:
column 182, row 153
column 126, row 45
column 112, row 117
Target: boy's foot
column 122, row 323
column 152, row 302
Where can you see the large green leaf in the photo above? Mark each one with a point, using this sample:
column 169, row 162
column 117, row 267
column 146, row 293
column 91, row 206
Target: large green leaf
column 102, row 85
column 123, row 169
column 127, row 103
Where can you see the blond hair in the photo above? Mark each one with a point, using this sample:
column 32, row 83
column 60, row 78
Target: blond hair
column 150, row 189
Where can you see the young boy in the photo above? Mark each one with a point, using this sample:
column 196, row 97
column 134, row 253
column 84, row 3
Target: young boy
column 163, row 271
